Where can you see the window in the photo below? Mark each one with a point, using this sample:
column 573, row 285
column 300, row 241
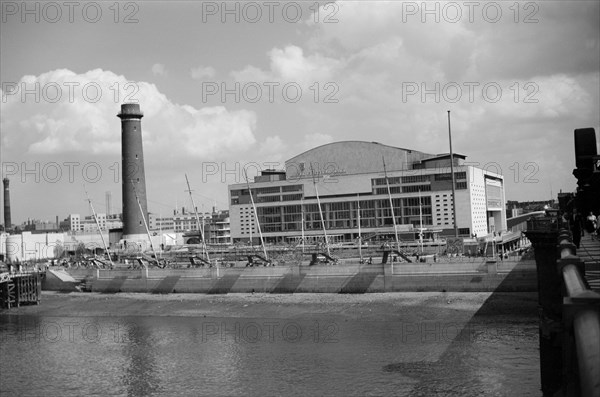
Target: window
column 267, row 190
column 416, row 188
column 384, row 190
column 448, row 176
column 293, row 188
column 291, row 197
column 268, row 199
column 382, row 181
column 415, row 179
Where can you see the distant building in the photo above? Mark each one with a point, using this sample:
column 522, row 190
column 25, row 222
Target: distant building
column 219, row 231
column 216, row 225
column 185, row 221
column 28, row 246
column 75, row 223
column 516, row 208
column 180, row 221
column 350, row 178
column 157, row 222
column 36, row 225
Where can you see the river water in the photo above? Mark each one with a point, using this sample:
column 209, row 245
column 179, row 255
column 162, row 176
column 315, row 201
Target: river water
column 302, row 356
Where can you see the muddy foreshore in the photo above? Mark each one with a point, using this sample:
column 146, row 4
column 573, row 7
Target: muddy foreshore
column 373, row 306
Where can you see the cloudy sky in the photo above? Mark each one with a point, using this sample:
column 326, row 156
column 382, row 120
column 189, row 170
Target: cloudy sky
column 224, row 85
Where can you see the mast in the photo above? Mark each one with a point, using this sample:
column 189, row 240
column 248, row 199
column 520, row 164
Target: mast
column 359, row 235
column 198, row 226
column 160, row 232
column 262, row 242
column 320, row 210
column 302, row 210
column 420, row 222
column 387, row 182
column 145, row 223
column 98, row 226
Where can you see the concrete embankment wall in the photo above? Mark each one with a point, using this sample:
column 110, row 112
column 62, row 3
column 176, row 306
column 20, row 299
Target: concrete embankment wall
column 326, row 279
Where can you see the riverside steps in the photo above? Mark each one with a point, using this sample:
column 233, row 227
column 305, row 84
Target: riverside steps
column 482, row 275
column 569, row 310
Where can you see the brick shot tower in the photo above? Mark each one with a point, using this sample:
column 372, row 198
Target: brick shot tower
column 134, row 178
column 7, row 220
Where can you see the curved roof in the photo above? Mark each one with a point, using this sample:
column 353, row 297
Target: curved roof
column 353, row 157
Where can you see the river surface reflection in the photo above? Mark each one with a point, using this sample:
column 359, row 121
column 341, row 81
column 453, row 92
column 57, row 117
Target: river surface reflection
column 317, row 355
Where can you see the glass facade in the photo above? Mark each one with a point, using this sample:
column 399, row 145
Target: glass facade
column 344, row 215
column 271, row 194
column 284, row 209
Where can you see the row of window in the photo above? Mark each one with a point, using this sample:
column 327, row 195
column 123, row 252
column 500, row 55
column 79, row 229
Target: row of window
column 413, row 188
column 419, row 178
column 344, row 224
column 267, row 190
column 402, row 189
column 448, row 176
column 373, row 213
column 273, row 198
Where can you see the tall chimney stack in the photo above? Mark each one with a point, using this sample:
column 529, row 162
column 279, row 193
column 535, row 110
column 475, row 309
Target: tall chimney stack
column 7, row 220
column 134, row 179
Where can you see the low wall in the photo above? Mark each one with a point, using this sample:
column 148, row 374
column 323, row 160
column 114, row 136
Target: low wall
column 352, row 278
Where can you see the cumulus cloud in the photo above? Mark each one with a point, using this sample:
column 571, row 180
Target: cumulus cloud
column 202, row 72
column 158, row 69
column 291, row 65
column 272, row 149
column 77, row 113
column 495, row 42
column 397, row 76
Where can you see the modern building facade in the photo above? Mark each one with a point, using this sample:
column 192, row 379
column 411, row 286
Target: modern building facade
column 352, row 183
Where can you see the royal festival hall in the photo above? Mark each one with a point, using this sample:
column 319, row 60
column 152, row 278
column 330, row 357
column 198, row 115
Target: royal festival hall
column 345, row 188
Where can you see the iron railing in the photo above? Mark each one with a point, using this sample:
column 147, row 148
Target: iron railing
column 581, row 317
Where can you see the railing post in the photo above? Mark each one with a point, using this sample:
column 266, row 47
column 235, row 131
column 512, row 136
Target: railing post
column 569, row 376
column 388, row 277
column 144, row 271
column 543, row 238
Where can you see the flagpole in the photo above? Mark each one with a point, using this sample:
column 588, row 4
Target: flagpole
column 453, row 179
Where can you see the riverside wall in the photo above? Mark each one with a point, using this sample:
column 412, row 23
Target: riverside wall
column 348, row 278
